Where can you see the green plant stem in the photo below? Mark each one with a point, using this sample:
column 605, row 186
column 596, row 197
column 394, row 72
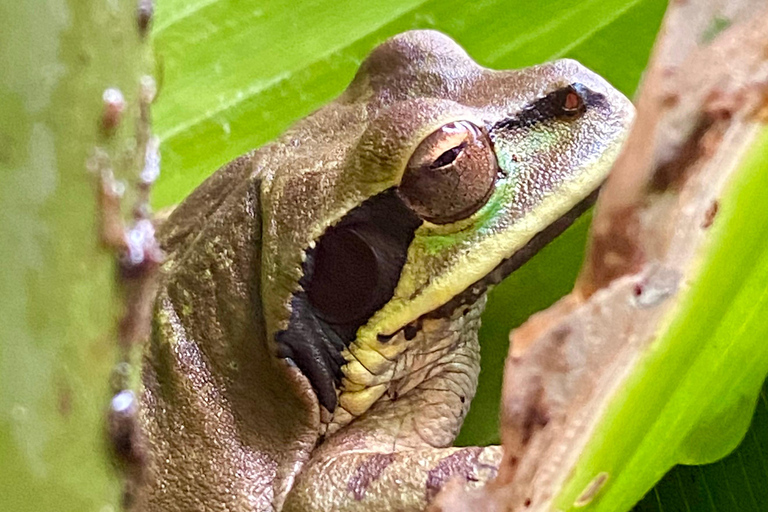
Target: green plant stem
column 59, row 300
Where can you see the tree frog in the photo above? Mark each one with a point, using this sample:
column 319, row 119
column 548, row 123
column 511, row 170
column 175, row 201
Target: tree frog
column 314, row 341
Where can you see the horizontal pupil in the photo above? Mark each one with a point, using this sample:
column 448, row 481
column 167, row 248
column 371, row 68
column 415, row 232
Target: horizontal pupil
column 449, row 156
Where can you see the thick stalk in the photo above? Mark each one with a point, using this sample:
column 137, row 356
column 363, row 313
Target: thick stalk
column 58, row 295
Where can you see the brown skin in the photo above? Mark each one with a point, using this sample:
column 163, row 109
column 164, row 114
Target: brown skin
column 232, row 426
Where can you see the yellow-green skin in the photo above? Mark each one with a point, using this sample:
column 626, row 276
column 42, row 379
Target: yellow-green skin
column 230, row 426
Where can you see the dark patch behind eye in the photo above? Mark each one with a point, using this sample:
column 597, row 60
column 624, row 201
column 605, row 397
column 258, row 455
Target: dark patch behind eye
column 349, row 275
column 553, row 106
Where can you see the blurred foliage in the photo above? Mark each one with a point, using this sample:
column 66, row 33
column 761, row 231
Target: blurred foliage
column 59, row 300
column 235, row 74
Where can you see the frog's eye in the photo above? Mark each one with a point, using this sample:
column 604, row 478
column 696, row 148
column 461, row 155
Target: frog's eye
column 451, row 174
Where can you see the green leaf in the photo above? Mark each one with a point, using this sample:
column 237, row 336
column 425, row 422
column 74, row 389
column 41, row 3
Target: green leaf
column 234, row 75
column 738, row 482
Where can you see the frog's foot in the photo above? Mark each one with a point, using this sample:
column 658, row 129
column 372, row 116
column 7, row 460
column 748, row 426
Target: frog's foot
column 405, row 480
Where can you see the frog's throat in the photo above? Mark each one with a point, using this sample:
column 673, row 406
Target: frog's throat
column 439, row 365
column 368, row 377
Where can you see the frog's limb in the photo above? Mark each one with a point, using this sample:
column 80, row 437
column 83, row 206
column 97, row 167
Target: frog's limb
column 406, row 480
column 397, row 454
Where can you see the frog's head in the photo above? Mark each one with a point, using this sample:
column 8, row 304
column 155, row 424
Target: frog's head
column 395, row 207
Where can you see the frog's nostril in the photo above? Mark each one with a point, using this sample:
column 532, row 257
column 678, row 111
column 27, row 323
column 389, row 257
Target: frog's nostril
column 573, row 102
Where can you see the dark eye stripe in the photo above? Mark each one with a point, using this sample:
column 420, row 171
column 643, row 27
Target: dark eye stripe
column 566, row 102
